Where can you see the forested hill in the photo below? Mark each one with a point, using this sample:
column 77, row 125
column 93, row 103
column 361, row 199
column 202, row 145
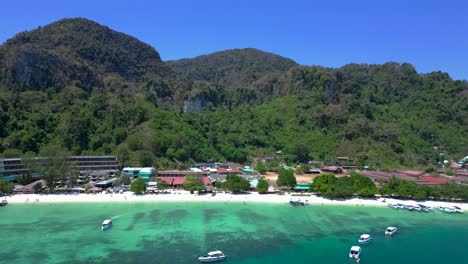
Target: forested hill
column 74, row 51
column 97, row 91
column 232, row 69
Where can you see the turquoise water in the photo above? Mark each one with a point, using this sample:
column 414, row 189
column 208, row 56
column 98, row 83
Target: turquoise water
column 246, row 233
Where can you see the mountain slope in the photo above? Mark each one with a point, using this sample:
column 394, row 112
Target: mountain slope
column 74, row 50
column 97, row 91
column 232, row 69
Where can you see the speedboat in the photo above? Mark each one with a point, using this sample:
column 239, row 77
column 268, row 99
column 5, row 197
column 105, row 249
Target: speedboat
column 390, row 230
column 355, row 252
column 394, row 206
column 425, row 208
column 446, row 209
column 212, row 256
column 365, row 238
column 296, row 203
column 412, row 207
column 457, row 209
column 399, row 206
column 106, row 224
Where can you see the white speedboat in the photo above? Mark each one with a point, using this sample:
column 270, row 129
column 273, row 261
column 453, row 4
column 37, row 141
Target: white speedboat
column 106, row 224
column 364, row 239
column 212, row 256
column 390, row 230
column 457, row 209
column 425, row 208
column 447, row 209
column 355, row 252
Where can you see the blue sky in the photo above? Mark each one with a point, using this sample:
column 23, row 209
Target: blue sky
column 432, row 35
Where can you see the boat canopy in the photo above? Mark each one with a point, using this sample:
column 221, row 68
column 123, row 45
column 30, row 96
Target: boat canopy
column 355, row 248
column 217, row 252
column 107, row 222
column 365, row 236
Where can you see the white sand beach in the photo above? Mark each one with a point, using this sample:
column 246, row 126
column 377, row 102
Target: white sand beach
column 184, row 196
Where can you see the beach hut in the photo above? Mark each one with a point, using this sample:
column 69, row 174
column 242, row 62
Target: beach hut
column 30, row 187
column 95, row 189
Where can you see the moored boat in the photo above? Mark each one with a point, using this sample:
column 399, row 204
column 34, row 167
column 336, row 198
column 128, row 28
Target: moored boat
column 364, row 239
column 212, row 256
column 425, row 208
column 4, row 203
column 458, row 209
column 296, row 203
column 390, row 230
column 447, row 209
column 106, row 224
column 355, row 252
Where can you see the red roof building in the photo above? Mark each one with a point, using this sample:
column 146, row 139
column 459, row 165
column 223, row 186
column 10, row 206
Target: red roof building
column 434, row 180
column 178, row 181
column 233, row 170
column 180, row 173
column 167, row 180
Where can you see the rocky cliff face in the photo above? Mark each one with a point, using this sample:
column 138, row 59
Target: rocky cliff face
column 74, row 51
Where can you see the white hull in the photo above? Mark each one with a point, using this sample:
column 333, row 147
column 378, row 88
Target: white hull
column 206, row 260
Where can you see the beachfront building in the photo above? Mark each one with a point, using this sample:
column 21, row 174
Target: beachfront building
column 180, row 173
column 145, row 173
column 94, row 165
column 303, row 187
column 10, row 169
column 177, row 182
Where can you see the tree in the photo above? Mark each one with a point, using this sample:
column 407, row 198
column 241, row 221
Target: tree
column 286, row 178
column 37, row 187
column 261, row 168
column 193, row 183
column 52, row 164
column 124, row 179
column 235, row 183
column 162, row 185
column 262, row 186
column 138, row 186
column 6, row 187
column 24, row 179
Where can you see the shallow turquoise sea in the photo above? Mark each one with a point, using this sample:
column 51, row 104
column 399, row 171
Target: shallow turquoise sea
column 246, row 233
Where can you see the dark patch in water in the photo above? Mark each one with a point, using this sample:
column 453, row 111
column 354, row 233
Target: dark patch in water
column 9, row 257
column 177, row 213
column 39, row 255
column 251, row 217
column 154, row 215
column 210, row 214
column 138, row 216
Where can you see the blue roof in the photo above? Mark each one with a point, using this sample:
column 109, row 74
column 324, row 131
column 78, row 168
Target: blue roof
column 9, row 177
column 254, row 183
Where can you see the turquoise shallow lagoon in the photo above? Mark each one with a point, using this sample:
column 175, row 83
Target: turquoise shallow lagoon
column 247, row 233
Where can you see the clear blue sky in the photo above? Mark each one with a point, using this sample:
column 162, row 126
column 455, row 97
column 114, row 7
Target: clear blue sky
column 432, row 35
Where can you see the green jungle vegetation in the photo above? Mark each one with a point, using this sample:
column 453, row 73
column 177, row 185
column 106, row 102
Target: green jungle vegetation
column 330, row 186
column 92, row 90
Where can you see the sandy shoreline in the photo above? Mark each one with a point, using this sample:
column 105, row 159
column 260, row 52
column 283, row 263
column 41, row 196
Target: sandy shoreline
column 184, row 196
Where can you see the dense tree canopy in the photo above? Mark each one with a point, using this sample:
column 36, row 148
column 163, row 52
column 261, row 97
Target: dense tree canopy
column 193, row 183
column 96, row 91
column 262, row 186
column 286, row 178
column 331, row 186
column 6, row 187
column 138, row 186
column 235, row 183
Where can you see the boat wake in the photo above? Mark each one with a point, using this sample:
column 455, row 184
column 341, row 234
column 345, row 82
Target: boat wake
column 116, row 217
